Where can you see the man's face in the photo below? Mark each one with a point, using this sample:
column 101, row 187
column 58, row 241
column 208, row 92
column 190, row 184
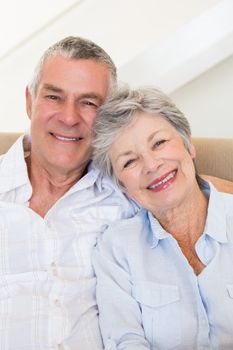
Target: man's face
column 63, row 111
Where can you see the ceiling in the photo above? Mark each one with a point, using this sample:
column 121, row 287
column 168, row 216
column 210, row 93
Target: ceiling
column 24, row 19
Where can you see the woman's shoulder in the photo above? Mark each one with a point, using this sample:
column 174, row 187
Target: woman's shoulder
column 126, row 229
column 228, row 202
column 222, row 202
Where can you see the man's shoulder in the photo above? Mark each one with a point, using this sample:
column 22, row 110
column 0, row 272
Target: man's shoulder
column 1, row 158
column 97, row 201
column 108, row 193
column 15, row 150
column 13, row 170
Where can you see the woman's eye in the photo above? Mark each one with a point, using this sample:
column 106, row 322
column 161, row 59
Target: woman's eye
column 128, row 163
column 158, row 143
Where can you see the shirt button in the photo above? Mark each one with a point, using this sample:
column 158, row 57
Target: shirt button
column 57, row 303
column 49, row 224
column 54, row 269
column 110, row 345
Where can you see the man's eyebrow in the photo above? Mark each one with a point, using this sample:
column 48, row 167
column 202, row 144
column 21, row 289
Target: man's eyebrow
column 51, row 87
column 92, row 95
column 56, row 89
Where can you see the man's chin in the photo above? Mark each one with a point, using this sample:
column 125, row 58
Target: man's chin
column 70, row 167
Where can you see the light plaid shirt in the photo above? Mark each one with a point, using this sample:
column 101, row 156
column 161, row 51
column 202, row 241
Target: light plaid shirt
column 47, row 283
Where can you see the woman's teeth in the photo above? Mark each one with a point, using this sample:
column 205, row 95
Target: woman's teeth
column 170, row 176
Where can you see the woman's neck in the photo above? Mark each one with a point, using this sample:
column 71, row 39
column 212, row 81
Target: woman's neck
column 186, row 224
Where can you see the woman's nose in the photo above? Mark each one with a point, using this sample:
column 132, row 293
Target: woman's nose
column 151, row 162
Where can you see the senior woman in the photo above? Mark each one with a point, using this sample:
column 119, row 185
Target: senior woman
column 164, row 277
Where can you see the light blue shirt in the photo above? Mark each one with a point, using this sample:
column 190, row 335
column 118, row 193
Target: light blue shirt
column 148, row 295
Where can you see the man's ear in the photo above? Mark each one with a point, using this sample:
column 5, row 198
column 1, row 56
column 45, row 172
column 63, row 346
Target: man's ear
column 28, row 102
column 192, row 149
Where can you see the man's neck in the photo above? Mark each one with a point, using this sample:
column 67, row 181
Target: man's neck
column 48, row 186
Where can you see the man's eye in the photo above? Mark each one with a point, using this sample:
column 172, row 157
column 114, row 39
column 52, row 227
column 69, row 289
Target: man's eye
column 128, row 163
column 90, row 103
column 52, row 97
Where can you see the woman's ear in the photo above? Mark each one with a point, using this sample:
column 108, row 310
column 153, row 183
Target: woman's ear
column 192, row 149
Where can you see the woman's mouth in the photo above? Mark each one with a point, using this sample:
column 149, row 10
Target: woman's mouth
column 163, row 182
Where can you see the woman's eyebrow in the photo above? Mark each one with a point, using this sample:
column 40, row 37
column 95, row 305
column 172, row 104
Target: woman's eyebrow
column 124, row 154
column 151, row 136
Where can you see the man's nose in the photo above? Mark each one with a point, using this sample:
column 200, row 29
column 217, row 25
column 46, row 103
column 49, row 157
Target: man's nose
column 70, row 113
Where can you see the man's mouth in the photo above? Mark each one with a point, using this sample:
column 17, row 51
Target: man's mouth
column 163, row 182
column 65, row 138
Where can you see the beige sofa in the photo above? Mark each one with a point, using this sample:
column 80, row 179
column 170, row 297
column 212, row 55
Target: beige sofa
column 214, row 155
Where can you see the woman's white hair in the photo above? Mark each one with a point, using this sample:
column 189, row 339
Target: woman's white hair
column 121, row 109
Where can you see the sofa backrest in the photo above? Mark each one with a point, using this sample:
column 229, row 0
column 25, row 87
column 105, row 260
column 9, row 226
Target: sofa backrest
column 6, row 140
column 214, row 155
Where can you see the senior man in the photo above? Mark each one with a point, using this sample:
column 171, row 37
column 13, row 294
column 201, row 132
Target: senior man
column 54, row 205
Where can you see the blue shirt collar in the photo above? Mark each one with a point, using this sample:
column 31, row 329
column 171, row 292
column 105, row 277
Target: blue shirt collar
column 215, row 226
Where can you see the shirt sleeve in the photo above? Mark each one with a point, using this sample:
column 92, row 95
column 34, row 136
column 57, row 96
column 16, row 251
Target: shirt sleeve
column 119, row 312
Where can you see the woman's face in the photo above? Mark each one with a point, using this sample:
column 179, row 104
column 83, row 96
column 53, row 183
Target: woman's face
column 150, row 160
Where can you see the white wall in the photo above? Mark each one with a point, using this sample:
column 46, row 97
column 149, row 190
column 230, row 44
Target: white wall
column 207, row 101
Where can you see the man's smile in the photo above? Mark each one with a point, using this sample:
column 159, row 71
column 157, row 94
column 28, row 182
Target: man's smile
column 65, row 138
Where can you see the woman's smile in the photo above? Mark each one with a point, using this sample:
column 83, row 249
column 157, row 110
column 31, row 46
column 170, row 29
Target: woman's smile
column 163, row 182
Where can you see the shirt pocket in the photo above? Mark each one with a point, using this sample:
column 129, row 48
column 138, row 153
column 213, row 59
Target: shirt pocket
column 20, row 293
column 89, row 225
column 25, row 311
column 160, row 310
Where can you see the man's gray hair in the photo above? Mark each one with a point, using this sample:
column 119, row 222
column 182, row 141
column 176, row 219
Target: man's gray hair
column 121, row 109
column 74, row 48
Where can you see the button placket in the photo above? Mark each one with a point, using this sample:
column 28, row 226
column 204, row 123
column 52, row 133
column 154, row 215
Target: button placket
column 60, row 347
column 57, row 303
column 54, row 269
